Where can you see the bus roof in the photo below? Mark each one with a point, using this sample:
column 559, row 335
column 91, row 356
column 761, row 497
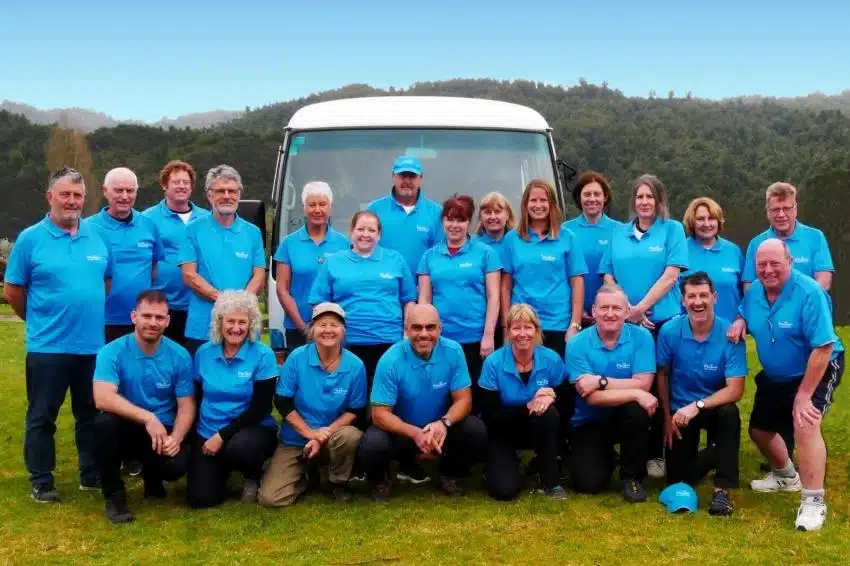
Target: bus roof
column 417, row 112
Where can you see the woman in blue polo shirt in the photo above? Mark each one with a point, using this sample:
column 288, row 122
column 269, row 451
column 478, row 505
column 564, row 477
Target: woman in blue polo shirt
column 721, row 259
column 299, row 257
column 593, row 229
column 373, row 285
column 543, row 266
column 495, row 220
column 519, row 386
column 235, row 378
column 461, row 279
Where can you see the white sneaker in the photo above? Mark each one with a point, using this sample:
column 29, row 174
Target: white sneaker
column 811, row 515
column 771, row 483
column 656, row 468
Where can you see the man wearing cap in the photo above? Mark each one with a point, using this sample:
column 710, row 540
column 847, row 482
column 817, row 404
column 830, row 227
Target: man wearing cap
column 320, row 394
column 56, row 281
column 700, row 380
column 410, row 222
column 421, row 400
column 790, row 318
column 143, row 387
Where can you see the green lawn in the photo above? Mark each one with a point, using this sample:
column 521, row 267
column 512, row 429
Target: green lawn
column 418, row 526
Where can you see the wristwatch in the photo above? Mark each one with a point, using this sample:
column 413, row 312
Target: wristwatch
column 700, row 404
column 446, row 422
column 603, row 383
column 575, row 325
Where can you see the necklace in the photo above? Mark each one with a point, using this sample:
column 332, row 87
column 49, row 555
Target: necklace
column 330, row 364
column 525, row 366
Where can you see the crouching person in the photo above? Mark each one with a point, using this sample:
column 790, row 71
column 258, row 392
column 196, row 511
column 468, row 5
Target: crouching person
column 421, row 399
column 143, row 388
column 235, row 378
column 321, row 391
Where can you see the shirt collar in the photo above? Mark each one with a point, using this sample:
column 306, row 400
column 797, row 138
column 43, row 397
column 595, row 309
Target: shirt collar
column 443, row 247
column 414, row 359
column 236, row 227
column 241, row 353
column 687, row 332
column 650, row 230
column 137, row 352
column 415, row 204
column 57, row 232
column 624, row 338
column 163, row 205
column 793, row 236
column 582, row 220
column 718, row 246
column 509, row 362
column 304, row 236
column 377, row 255
column 112, row 222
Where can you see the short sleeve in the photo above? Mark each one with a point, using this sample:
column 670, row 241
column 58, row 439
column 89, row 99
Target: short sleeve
column 460, row 373
column 817, row 319
column 557, row 371
column 287, row 385
column 267, row 365
column 736, row 359
column 19, row 267
column 424, row 267
column 575, row 256
column 822, row 258
column 106, row 367
column 282, row 253
column 748, row 274
column 664, row 346
column 259, row 252
column 188, row 252
column 357, row 391
column 384, row 386
column 196, row 367
column 184, row 386
column 644, row 354
column 577, row 362
column 321, row 290
column 489, row 379
column 492, row 261
column 677, row 246
column 407, row 286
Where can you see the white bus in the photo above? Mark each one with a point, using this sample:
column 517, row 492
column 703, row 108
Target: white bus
column 466, row 146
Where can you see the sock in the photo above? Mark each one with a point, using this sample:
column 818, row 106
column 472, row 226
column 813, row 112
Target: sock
column 787, row 472
column 815, row 496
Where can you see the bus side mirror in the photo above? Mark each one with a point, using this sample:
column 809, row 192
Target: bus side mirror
column 569, row 175
column 254, row 211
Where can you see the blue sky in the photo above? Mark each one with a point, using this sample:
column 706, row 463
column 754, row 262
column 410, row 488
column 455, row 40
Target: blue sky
column 146, row 60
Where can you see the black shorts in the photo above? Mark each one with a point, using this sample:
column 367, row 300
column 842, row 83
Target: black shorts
column 774, row 401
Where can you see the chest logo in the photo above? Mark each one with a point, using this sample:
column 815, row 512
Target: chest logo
column 542, row 382
column 440, row 385
column 421, row 228
column 603, row 242
column 785, row 324
column 94, row 258
column 242, row 255
column 624, row 365
column 386, row 275
column 340, row 391
column 144, row 245
column 728, row 269
column 801, row 259
column 656, row 249
column 547, row 257
column 710, row 367
column 243, row 373
column 465, row 264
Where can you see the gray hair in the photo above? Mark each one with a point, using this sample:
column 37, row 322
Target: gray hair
column 229, row 302
column 317, row 189
column 69, row 173
column 611, row 289
column 659, row 191
column 120, row 174
column 311, row 330
column 780, row 190
column 224, row 173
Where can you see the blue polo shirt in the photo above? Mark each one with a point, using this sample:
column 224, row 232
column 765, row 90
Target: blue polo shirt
column 64, row 279
column 172, row 232
column 225, row 258
column 499, row 373
column 304, row 257
column 151, row 382
column 723, row 262
column 409, row 234
column 372, row 291
column 808, row 246
column 497, row 245
column 320, row 397
column 420, row 391
column 458, row 287
column 698, row 369
column 787, row 331
column 637, row 264
column 541, row 271
column 633, row 354
column 593, row 240
column 228, row 386
column 136, row 246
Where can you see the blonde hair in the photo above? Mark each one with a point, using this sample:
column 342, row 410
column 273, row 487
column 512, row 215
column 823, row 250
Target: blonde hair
column 522, row 312
column 714, row 210
column 555, row 214
column 780, row 190
column 495, row 200
column 229, row 302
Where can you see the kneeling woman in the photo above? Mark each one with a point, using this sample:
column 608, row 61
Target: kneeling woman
column 322, row 389
column 235, row 378
column 520, row 383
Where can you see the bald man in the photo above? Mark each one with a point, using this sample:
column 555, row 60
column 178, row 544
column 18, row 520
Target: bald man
column 790, row 319
column 421, row 399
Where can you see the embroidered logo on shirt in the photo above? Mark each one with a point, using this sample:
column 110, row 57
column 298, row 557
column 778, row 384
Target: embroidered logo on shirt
column 242, row 255
column 547, row 257
column 603, row 242
column 710, row 367
column 801, row 259
column 440, row 385
column 340, row 391
column 542, row 382
column 243, row 373
column 624, row 365
column 386, row 275
column 784, row 324
column 162, row 382
column 94, row 258
column 728, row 269
column 421, row 228
column 144, row 245
column 465, row 264
column 656, row 249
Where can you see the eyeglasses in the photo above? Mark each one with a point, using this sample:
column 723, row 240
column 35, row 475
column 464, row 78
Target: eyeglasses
column 783, row 209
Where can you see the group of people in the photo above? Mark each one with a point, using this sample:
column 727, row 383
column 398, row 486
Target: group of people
column 598, row 344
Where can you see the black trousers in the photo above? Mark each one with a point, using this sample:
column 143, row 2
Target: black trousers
column 294, row 339
column 474, row 361
column 177, row 326
column 245, row 453
column 556, row 340
column 192, row 345
column 369, row 354
column 113, row 332
column 592, row 448
column 682, row 458
column 655, row 446
column 117, row 439
column 514, row 429
column 465, row 445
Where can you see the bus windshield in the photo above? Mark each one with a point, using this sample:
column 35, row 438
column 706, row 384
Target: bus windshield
column 357, row 166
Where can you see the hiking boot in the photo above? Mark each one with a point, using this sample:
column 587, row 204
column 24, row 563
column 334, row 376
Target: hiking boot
column 412, row 472
column 132, row 468
column 633, row 491
column 557, row 493
column 340, row 493
column 382, row 490
column 117, row 510
column 720, row 503
column 154, row 489
column 250, row 491
column 90, row 484
column 45, row 493
column 450, row 487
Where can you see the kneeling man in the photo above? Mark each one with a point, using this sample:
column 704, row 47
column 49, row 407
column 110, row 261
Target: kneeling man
column 143, row 388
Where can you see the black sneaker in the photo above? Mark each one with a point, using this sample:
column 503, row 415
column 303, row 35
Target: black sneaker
column 340, row 492
column 90, row 484
column 132, row 468
column 382, row 490
column 45, row 493
column 557, row 493
column 155, row 490
column 117, row 510
column 412, row 472
column 720, row 503
column 633, row 491
column 450, row 487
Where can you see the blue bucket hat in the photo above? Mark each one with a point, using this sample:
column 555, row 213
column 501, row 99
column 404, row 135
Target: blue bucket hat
column 679, row 498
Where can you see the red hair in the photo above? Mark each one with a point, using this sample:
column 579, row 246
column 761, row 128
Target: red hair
column 459, row 207
column 173, row 166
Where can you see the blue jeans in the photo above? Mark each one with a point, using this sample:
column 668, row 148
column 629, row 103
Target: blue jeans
column 49, row 376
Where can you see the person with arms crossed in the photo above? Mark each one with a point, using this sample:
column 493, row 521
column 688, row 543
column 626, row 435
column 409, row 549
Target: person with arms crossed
column 611, row 364
column 421, row 401
column 221, row 252
column 790, row 318
column 57, row 280
column 700, row 379
column 143, row 387
column 171, row 215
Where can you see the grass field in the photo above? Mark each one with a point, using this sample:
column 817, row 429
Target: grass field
column 418, row 526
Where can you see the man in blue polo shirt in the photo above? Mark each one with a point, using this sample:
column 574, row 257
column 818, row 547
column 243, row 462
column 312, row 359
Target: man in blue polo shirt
column 700, row 380
column 143, row 387
column 134, row 244
column 790, row 319
column 421, row 400
column 171, row 215
column 410, row 222
column 221, row 252
column 612, row 365
column 56, row 281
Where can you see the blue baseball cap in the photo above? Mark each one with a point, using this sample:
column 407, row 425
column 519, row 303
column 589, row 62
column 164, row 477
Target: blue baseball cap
column 678, row 498
column 406, row 164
